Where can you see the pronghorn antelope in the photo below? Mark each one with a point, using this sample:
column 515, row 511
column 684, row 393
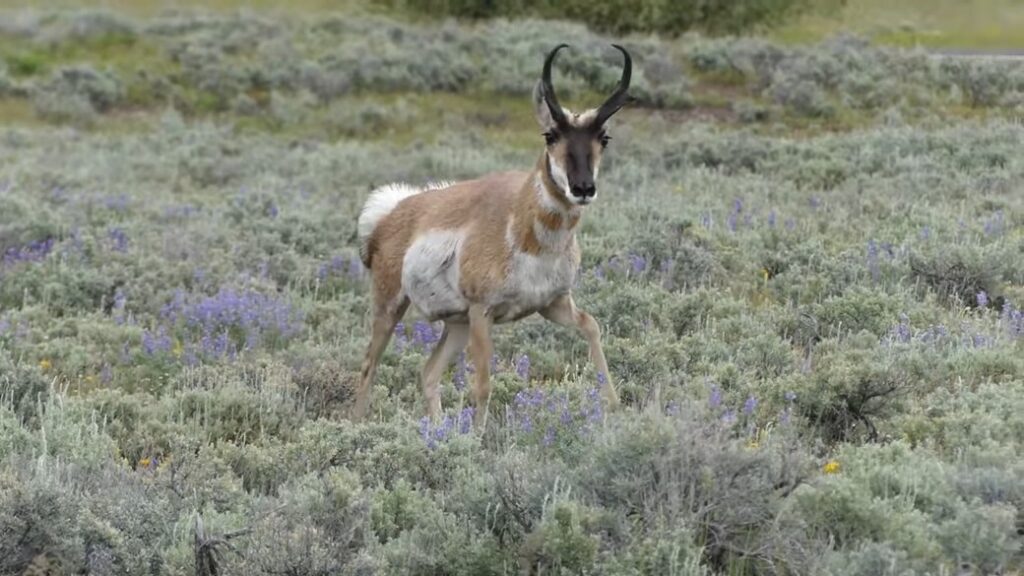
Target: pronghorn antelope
column 490, row 250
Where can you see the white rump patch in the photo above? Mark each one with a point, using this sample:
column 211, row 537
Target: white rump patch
column 430, row 273
column 381, row 202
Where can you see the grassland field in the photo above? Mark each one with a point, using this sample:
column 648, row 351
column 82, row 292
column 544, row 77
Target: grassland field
column 807, row 261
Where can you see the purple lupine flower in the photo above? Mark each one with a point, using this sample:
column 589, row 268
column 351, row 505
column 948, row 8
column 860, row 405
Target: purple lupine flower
column 730, row 222
column 673, row 408
column 926, row 232
column 155, row 342
column 602, row 379
column 335, row 265
column 523, row 367
column 994, row 225
column 117, row 203
column 106, row 374
column 785, row 416
column 729, row 417
column 549, row 436
column 1013, row 319
column 355, row 269
column 716, row 397
column 400, row 338
column 35, row 251
column 460, row 372
column 120, row 301
column 750, row 405
column 272, row 210
column 982, row 299
column 902, row 333
column 595, row 411
column 790, row 224
column 118, row 239
column 444, row 430
column 637, row 263
column 425, row 432
column 771, row 218
column 466, row 419
column 5, row 326
column 525, row 423
column 230, row 319
column 790, row 396
column 815, row 202
column 872, row 260
column 425, row 334
column 706, row 220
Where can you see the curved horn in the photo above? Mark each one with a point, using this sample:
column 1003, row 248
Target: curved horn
column 620, row 98
column 549, row 92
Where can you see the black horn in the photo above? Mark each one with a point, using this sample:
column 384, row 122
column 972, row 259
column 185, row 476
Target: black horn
column 621, row 96
column 549, row 92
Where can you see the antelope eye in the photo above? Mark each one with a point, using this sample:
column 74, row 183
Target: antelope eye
column 604, row 138
column 550, row 138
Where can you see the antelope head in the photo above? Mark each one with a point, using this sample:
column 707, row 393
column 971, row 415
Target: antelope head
column 574, row 142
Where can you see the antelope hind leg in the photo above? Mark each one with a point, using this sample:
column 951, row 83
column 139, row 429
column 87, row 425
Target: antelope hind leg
column 384, row 320
column 452, row 341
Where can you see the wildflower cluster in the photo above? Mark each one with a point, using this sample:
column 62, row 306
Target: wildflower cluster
column 341, row 267
column 1013, row 320
column 552, row 417
column 970, row 335
column 35, row 251
column 424, row 337
column 747, row 413
column 435, row 434
column 220, row 325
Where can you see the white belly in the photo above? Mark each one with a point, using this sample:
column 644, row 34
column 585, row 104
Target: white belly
column 430, row 274
column 533, row 283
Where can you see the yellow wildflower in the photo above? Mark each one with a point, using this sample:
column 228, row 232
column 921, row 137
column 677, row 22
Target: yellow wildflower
column 831, row 467
column 144, row 463
column 45, row 364
column 764, row 274
column 178, row 349
column 753, row 444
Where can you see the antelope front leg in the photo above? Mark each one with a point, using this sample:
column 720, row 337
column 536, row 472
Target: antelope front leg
column 480, row 350
column 563, row 311
column 384, row 320
column 452, row 341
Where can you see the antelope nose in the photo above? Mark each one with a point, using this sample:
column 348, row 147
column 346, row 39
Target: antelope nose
column 584, row 190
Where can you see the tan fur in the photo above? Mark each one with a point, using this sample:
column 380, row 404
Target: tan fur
column 499, row 220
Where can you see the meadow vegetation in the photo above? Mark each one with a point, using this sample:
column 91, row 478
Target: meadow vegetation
column 807, row 262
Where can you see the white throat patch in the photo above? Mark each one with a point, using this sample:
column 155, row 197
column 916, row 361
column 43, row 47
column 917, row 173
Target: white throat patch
column 559, row 175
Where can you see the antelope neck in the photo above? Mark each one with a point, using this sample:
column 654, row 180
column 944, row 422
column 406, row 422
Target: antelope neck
column 545, row 220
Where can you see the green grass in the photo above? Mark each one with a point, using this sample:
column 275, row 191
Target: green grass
column 980, row 24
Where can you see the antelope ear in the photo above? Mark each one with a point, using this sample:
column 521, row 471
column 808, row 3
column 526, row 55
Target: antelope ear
column 540, row 109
